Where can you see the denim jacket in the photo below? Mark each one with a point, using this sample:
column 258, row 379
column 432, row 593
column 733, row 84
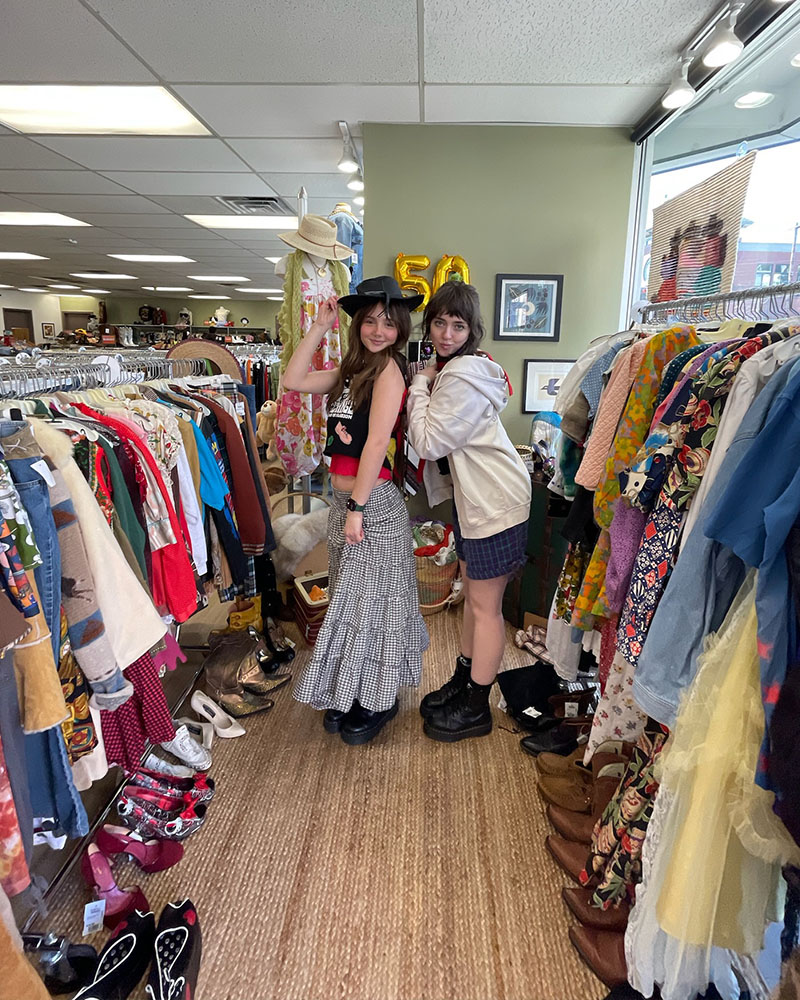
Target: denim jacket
column 350, row 232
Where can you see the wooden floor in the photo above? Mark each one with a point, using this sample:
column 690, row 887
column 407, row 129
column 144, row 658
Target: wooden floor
column 402, row 870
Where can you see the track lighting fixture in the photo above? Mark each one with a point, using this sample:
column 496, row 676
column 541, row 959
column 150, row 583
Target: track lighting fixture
column 349, row 158
column 680, row 92
column 724, row 45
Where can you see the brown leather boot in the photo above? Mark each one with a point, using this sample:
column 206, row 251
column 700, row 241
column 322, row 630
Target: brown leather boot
column 568, row 855
column 577, row 792
column 579, row 902
column 603, row 952
column 570, row 825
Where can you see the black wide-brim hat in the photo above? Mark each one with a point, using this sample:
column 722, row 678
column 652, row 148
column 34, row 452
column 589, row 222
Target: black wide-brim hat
column 383, row 289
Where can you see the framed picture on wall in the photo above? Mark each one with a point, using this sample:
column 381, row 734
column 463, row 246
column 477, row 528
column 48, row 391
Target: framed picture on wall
column 541, row 382
column 528, row 307
column 48, row 330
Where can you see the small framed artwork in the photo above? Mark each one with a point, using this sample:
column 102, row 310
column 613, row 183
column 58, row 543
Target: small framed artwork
column 48, row 330
column 541, row 382
column 528, row 307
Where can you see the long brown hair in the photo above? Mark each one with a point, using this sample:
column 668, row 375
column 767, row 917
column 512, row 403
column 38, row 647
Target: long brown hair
column 361, row 367
column 455, row 298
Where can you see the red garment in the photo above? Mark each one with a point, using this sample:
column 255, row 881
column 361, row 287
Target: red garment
column 144, row 716
column 345, row 465
column 608, row 649
column 172, row 583
column 14, row 874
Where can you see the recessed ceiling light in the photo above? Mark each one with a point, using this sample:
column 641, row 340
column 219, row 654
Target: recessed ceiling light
column 166, row 288
column 40, row 290
column 215, row 297
column 103, row 276
column 754, row 99
column 273, row 260
column 14, row 255
column 38, row 219
column 260, row 291
column 215, row 277
column 97, row 291
column 156, row 258
column 244, row 221
column 63, row 286
column 94, row 110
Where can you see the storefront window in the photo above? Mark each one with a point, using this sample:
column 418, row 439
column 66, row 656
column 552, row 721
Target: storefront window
column 712, row 133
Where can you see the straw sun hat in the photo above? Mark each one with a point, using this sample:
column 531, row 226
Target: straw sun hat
column 317, row 236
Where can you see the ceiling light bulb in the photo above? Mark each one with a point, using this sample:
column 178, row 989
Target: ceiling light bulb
column 348, row 163
column 724, row 45
column 754, row 99
column 356, row 182
column 796, row 61
column 359, row 200
column 680, row 92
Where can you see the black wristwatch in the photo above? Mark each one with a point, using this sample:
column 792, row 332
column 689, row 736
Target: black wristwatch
column 352, row 505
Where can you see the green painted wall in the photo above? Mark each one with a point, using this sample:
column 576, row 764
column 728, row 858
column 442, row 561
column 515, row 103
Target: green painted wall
column 509, row 199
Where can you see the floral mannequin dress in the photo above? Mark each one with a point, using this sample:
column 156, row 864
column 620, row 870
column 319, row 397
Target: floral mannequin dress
column 302, row 417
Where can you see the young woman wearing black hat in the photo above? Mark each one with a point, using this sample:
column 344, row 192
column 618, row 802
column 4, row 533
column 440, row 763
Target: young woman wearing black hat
column 373, row 636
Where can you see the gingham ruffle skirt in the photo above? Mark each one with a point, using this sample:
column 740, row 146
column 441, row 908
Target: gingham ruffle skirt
column 373, row 637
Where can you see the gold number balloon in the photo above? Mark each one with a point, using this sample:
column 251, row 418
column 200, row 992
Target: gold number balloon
column 404, row 266
column 447, row 266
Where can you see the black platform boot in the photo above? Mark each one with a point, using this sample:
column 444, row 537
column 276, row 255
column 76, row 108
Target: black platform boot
column 438, row 699
column 466, row 714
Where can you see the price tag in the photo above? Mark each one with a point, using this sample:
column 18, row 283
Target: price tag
column 532, row 712
column 240, row 408
column 570, row 709
column 93, row 914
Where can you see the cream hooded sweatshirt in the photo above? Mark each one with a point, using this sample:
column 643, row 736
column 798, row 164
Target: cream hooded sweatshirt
column 460, row 418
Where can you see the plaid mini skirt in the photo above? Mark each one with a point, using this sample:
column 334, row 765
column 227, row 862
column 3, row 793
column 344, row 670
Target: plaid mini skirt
column 373, row 636
column 497, row 555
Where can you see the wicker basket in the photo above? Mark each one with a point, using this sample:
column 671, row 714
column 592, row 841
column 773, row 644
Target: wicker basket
column 434, row 582
column 276, row 479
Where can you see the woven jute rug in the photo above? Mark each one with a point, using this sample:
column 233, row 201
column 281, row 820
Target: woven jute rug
column 401, row 870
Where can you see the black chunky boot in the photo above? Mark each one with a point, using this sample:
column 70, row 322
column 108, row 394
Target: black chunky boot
column 438, row 699
column 467, row 714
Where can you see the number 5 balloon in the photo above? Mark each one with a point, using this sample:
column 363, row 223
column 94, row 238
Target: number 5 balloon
column 404, row 265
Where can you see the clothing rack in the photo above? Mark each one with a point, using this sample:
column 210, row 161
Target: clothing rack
column 771, row 302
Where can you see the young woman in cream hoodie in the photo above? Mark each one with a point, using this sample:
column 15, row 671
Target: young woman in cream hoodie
column 454, row 409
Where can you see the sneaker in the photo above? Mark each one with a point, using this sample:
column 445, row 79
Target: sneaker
column 156, row 763
column 187, row 749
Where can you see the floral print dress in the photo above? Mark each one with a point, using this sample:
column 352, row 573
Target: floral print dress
column 302, row 418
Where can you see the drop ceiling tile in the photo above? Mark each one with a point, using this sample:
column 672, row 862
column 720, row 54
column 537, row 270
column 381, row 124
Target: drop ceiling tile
column 275, row 110
column 10, row 204
column 324, row 206
column 146, row 153
column 19, row 153
column 539, row 105
column 519, row 41
column 195, row 183
column 302, row 155
column 242, row 41
column 56, row 181
column 191, row 204
column 70, row 204
column 332, row 184
column 41, row 43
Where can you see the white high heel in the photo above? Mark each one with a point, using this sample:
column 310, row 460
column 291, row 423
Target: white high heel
column 203, row 732
column 224, row 725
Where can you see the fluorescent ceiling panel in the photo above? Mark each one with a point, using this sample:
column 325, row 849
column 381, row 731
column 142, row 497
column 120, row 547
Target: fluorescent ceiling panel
column 166, row 288
column 277, row 222
column 37, row 218
column 215, row 297
column 261, row 291
column 154, row 257
column 103, row 275
column 215, row 277
column 96, row 110
column 97, row 291
column 15, row 255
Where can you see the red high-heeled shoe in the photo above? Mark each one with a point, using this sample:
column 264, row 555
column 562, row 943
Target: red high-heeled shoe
column 119, row 902
column 150, row 855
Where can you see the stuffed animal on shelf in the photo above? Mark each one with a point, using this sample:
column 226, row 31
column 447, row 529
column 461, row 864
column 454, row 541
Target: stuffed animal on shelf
column 265, row 428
